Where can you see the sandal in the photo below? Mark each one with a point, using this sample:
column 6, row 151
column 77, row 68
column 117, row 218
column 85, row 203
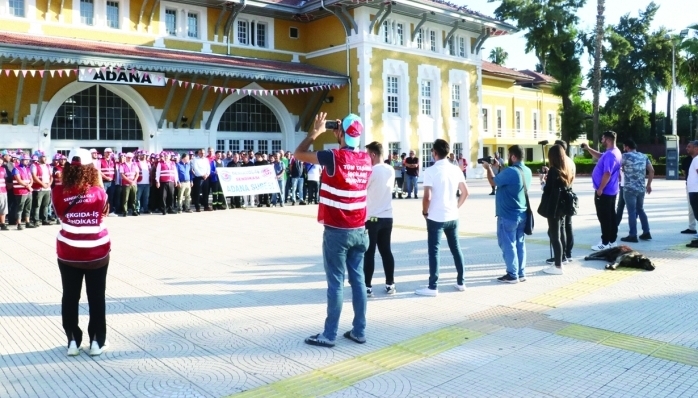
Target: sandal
column 319, row 341
column 353, row 338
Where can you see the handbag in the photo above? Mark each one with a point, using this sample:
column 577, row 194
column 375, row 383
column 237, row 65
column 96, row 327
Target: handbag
column 528, row 227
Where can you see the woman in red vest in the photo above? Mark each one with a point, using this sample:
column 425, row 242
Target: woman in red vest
column 82, row 246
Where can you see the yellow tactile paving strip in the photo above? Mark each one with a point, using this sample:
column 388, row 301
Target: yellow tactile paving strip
column 349, row 372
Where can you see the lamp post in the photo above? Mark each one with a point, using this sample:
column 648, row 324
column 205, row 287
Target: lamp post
column 673, row 84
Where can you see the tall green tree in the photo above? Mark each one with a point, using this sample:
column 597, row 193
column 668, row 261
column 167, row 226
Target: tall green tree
column 551, row 34
column 688, row 75
column 498, row 56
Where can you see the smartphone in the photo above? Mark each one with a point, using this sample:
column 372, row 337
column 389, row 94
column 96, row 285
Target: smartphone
column 331, row 125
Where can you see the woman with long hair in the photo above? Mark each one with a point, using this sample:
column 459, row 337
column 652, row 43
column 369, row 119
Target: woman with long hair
column 82, row 248
column 558, row 179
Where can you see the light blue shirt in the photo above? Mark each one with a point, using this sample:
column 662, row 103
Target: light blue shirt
column 510, row 202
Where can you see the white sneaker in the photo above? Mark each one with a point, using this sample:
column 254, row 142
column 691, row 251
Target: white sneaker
column 73, row 349
column 610, row 245
column 95, row 349
column 460, row 288
column 599, row 247
column 425, row 291
column 112, row 215
column 553, row 270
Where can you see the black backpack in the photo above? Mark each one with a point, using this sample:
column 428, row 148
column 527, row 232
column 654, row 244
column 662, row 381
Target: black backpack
column 568, row 201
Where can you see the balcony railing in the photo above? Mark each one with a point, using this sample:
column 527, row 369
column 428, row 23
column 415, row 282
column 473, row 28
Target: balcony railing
column 521, row 134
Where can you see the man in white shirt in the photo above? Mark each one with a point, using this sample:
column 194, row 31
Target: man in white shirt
column 379, row 218
column 201, row 167
column 692, row 185
column 440, row 208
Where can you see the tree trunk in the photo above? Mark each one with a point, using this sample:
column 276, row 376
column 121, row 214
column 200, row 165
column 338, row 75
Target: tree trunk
column 653, row 116
column 600, row 8
column 667, row 119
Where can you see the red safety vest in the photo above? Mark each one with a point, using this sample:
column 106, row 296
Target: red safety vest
column 129, row 171
column 3, row 184
column 25, row 175
column 107, row 168
column 343, row 195
column 167, row 171
column 83, row 236
column 41, row 171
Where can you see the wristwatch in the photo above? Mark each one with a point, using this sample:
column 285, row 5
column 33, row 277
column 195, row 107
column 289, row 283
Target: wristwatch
column 425, row 214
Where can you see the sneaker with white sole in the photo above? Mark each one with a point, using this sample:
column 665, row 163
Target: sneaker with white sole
column 369, row 292
column 553, row 270
column 73, row 349
column 425, row 291
column 599, row 247
column 96, row 350
column 610, row 245
column 390, row 289
column 460, row 288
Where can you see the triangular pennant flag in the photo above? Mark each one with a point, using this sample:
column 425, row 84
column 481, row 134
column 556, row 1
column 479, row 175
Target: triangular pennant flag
column 74, row 70
column 204, row 87
column 60, row 73
column 118, row 69
column 32, row 72
column 215, row 89
column 186, row 84
column 160, row 79
column 16, row 71
column 103, row 69
column 89, row 71
column 41, row 73
column 146, row 74
column 7, row 72
column 180, row 83
column 133, row 71
column 52, row 72
column 167, row 80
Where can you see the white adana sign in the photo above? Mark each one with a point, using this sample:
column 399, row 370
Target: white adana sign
column 120, row 76
column 241, row 181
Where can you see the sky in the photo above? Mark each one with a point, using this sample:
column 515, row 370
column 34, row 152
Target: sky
column 672, row 14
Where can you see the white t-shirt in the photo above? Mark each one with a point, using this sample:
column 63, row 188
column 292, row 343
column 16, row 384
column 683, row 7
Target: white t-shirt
column 443, row 178
column 379, row 196
column 692, row 178
column 314, row 172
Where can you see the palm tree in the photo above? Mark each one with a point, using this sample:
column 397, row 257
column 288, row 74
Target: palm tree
column 596, row 83
column 499, row 56
column 687, row 71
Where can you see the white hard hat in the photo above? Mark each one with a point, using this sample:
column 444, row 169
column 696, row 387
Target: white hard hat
column 83, row 154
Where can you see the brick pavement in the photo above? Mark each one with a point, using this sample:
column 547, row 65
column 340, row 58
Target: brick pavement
column 214, row 304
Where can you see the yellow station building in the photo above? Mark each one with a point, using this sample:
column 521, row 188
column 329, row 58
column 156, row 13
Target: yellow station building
column 251, row 74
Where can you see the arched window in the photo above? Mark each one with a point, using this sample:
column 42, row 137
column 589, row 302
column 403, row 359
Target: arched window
column 249, row 115
column 96, row 114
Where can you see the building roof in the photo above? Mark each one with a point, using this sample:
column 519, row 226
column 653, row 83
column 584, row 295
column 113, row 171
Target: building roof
column 540, row 78
column 15, row 48
column 491, row 68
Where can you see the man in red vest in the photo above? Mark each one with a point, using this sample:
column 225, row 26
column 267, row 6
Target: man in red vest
column 22, row 187
column 166, row 179
column 129, row 177
column 4, row 204
column 107, row 168
column 42, row 179
column 342, row 211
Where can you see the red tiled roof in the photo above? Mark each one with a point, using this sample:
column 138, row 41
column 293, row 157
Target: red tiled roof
column 494, row 69
column 62, row 48
column 539, row 77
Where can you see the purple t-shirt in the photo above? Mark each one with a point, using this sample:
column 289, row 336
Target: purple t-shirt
column 608, row 163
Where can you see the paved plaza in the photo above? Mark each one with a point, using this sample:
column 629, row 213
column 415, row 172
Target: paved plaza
column 218, row 303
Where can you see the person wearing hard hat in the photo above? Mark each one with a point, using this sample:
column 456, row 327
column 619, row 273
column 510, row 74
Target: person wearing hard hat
column 22, row 188
column 129, row 177
column 3, row 195
column 82, row 248
column 42, row 179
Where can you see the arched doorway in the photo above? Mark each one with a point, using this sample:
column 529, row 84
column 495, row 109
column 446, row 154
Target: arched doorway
column 250, row 125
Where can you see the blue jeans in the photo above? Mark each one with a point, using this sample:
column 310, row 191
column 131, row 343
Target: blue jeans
column 411, row 185
column 297, row 185
column 142, row 196
column 634, row 202
column 109, row 188
column 276, row 197
column 511, row 238
column 434, row 230
column 343, row 249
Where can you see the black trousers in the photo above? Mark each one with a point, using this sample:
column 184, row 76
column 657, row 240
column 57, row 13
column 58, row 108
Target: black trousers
column 168, row 199
column 606, row 213
column 312, row 191
column 199, row 193
column 569, row 236
column 379, row 231
column 693, row 201
column 95, row 284
column 11, row 208
column 558, row 239
column 398, row 186
column 40, row 203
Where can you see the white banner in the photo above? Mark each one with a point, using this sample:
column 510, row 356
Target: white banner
column 120, row 76
column 253, row 180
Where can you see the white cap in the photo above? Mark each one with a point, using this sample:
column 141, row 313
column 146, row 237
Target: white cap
column 129, row 154
column 108, row 150
column 93, row 150
column 84, row 155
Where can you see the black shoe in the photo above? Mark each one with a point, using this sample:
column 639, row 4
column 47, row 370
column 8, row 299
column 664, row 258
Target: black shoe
column 552, row 260
column 3, row 227
column 492, row 193
column 164, row 213
column 122, row 215
column 646, row 236
column 187, row 211
column 136, row 214
column 693, row 244
column 32, row 225
column 507, row 279
column 46, row 223
column 415, row 196
column 689, row 231
column 409, row 196
column 20, row 227
column 629, row 239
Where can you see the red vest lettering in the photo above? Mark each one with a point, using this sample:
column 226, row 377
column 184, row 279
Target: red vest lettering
column 343, row 195
column 43, row 171
column 107, row 168
column 127, row 170
column 83, row 236
column 25, row 175
column 167, row 171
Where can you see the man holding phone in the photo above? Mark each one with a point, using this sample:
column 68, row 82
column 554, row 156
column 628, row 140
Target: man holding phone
column 342, row 210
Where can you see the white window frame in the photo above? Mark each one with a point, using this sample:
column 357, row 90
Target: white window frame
column 94, row 12
column 419, row 39
column 500, row 121
column 426, row 101
column 395, row 95
column 182, row 22
column 106, row 14
column 552, row 123
column 535, row 123
column 197, row 34
column 433, row 41
column 456, row 101
column 393, row 32
column 519, row 123
column 486, row 118
column 425, row 155
column 5, row 11
column 171, row 11
column 256, row 20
